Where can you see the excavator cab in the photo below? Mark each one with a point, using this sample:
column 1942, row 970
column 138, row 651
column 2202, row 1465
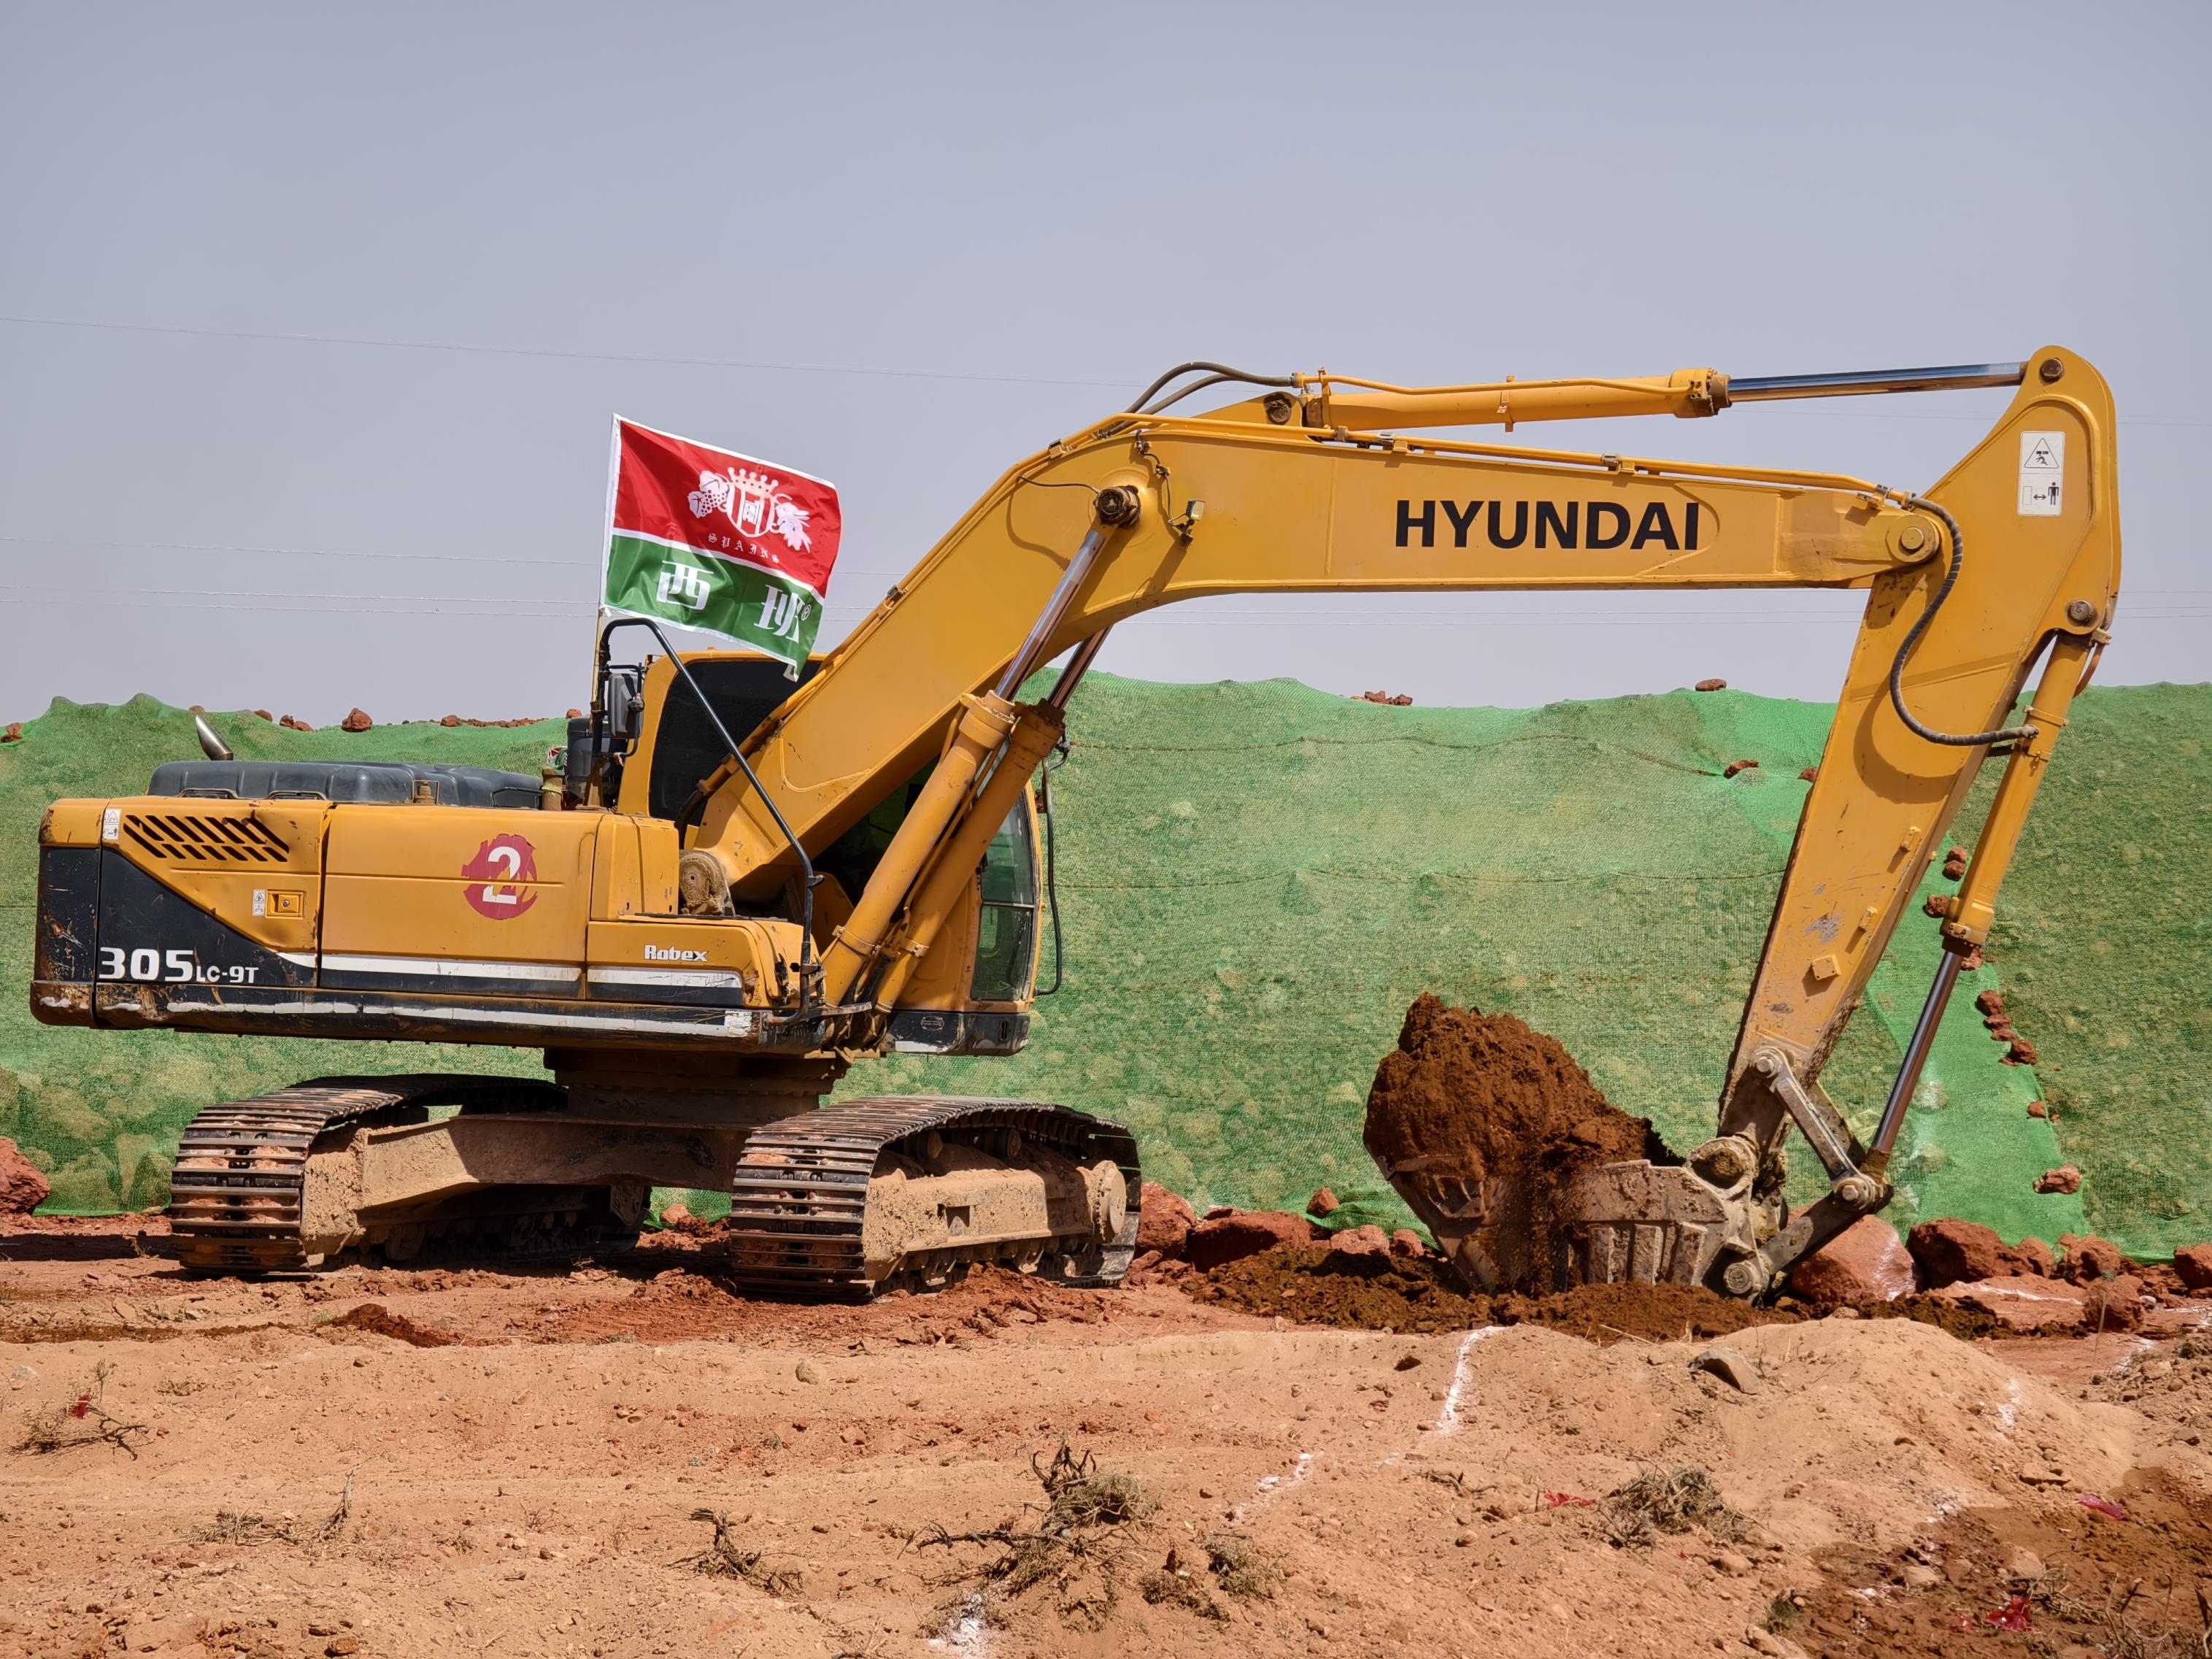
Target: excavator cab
column 654, row 748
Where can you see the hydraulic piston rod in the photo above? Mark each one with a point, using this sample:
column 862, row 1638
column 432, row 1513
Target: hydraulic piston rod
column 1957, row 377
column 1916, row 1057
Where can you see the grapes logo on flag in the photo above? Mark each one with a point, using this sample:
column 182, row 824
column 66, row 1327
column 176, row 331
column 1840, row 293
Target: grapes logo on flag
column 756, row 503
column 498, row 875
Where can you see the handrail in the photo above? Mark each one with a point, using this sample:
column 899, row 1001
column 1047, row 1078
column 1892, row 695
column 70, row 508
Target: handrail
column 807, row 965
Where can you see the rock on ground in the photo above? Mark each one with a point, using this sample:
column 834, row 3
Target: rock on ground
column 23, row 1187
column 1950, row 1250
column 1232, row 1238
column 2027, row 1301
column 1367, row 1241
column 2091, row 1258
column 1324, row 1203
column 2066, row 1178
column 356, row 721
column 2113, row 1305
column 1165, row 1221
column 2192, row 1264
column 1865, row 1262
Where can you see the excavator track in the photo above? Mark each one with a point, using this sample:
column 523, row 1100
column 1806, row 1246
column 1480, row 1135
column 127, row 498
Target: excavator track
column 235, row 1196
column 799, row 1193
column 800, row 1196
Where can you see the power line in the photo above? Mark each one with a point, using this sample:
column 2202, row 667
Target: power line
column 850, row 572
column 586, row 562
column 493, row 608
column 477, row 349
column 286, row 552
column 109, row 601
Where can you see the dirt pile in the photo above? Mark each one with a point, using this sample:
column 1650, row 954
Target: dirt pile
column 2107, row 1573
column 375, row 1317
column 1317, row 1286
column 1219, row 1240
column 1321, row 1286
column 1482, row 1097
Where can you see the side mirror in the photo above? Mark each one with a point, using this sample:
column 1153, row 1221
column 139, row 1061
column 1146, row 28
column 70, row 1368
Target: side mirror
column 625, row 705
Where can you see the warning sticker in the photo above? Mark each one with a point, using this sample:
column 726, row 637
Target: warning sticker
column 2042, row 469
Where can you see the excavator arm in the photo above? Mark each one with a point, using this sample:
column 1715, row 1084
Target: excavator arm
column 1316, row 486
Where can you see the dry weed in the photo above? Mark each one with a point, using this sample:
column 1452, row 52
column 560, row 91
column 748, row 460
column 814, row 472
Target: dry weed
column 1176, row 1586
column 81, row 1419
column 1239, row 1568
column 2117, row 1635
column 1670, row 1500
column 1075, row 1544
column 234, row 1527
column 724, row 1557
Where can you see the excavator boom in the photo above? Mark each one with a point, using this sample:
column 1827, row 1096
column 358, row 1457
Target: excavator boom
column 1300, row 490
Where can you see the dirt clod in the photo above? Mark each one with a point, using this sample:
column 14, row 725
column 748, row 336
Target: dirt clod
column 2091, row 1258
column 2193, row 1263
column 1730, row 1366
column 1165, row 1221
column 23, row 1186
column 1951, row 1250
column 375, row 1317
column 1232, row 1238
column 1357, row 1242
column 1863, row 1263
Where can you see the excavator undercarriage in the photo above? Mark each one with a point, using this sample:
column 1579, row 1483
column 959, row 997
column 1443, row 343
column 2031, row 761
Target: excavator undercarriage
column 841, row 1199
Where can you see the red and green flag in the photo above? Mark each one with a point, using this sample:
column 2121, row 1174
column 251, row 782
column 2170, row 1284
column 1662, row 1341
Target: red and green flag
column 717, row 541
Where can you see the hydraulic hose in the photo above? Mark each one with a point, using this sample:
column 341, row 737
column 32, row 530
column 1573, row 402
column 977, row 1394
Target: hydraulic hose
column 1216, row 373
column 1955, row 740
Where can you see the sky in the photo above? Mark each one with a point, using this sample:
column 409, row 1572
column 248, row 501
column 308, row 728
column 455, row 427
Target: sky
column 313, row 319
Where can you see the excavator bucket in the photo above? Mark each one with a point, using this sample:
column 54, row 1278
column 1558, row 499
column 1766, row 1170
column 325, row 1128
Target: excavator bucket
column 1634, row 1222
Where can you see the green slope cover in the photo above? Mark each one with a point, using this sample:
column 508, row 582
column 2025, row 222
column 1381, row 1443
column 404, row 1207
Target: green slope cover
column 1256, row 878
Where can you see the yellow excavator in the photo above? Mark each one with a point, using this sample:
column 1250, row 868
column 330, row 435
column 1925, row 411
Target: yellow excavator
column 734, row 887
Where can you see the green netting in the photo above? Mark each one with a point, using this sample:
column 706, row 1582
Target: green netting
column 1257, row 878
column 2105, row 933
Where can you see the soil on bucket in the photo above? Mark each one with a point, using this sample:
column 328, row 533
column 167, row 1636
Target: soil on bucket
column 1475, row 1096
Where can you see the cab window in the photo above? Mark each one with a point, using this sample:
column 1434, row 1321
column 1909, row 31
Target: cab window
column 1005, row 941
